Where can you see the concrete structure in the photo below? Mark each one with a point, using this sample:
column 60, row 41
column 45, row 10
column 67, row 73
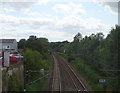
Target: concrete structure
column 32, row 37
column 8, row 44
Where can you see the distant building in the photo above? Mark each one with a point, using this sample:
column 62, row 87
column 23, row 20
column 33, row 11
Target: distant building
column 32, row 37
column 8, row 44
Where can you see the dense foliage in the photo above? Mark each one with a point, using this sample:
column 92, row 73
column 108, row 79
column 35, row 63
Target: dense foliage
column 99, row 53
column 95, row 56
column 39, row 44
column 36, row 57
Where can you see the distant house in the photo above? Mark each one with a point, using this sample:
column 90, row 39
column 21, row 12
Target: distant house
column 8, row 44
column 32, row 37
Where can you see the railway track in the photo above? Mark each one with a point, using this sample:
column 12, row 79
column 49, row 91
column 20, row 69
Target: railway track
column 79, row 86
column 56, row 82
column 64, row 77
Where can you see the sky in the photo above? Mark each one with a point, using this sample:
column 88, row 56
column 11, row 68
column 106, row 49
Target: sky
column 57, row 20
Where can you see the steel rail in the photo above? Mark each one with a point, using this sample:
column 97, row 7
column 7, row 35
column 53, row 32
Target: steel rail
column 78, row 79
column 80, row 82
column 73, row 81
column 56, row 71
column 59, row 81
column 75, row 85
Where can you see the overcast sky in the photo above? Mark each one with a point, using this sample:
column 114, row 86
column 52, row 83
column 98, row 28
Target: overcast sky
column 57, row 20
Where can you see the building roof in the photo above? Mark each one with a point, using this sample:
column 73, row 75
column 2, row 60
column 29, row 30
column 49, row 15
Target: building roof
column 7, row 40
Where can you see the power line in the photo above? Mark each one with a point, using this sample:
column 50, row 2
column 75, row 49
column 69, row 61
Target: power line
column 37, row 79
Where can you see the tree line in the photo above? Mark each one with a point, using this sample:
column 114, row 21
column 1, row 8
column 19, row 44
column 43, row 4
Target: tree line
column 36, row 57
column 95, row 49
column 101, row 53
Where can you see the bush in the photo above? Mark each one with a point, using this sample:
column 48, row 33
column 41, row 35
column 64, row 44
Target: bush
column 34, row 61
column 14, row 83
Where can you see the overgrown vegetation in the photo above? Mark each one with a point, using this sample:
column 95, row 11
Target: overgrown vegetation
column 100, row 56
column 12, row 83
column 15, row 83
column 36, row 58
column 94, row 56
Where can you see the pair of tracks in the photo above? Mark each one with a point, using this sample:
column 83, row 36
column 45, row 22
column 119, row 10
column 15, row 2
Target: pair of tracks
column 64, row 77
column 56, row 83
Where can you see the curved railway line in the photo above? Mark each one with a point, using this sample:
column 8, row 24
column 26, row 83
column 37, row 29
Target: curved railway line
column 64, row 78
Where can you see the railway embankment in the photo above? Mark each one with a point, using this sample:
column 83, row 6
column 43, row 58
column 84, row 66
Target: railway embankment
column 13, row 77
column 65, row 78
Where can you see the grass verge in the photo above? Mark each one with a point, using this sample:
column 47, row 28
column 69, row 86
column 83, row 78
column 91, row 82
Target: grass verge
column 91, row 76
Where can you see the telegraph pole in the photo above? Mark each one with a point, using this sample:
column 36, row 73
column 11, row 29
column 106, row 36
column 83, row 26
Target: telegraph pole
column 24, row 76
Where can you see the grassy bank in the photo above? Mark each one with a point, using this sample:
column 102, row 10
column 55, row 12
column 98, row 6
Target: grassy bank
column 36, row 86
column 12, row 83
column 35, row 61
column 88, row 73
column 37, row 82
column 91, row 76
column 15, row 83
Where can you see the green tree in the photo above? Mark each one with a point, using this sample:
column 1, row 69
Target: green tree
column 22, row 44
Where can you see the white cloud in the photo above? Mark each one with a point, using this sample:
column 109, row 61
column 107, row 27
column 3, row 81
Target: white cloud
column 17, row 6
column 71, row 8
column 110, row 5
column 7, row 10
column 23, row 5
column 41, row 1
column 35, row 14
column 58, row 0
column 54, row 28
column 61, row 8
column 105, row 0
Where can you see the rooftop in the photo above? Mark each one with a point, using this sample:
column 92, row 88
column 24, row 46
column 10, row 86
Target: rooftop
column 7, row 40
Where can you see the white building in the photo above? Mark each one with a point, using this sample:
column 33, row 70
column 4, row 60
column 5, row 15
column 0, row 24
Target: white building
column 8, row 44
